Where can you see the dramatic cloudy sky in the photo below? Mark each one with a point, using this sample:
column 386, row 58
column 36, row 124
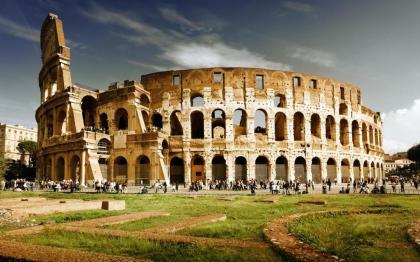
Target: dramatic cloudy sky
column 373, row 44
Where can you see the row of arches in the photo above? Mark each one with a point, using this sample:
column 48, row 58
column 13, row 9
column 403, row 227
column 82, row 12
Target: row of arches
column 262, row 169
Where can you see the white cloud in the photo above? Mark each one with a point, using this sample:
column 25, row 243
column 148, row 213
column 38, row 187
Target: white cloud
column 186, row 24
column 313, row 56
column 17, row 30
column 181, row 50
column 155, row 67
column 401, row 128
column 297, row 6
column 217, row 54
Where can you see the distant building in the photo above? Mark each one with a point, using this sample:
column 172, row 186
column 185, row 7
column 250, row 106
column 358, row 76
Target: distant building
column 10, row 136
column 395, row 161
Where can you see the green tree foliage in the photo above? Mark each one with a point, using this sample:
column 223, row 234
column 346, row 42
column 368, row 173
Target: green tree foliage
column 2, row 167
column 414, row 153
column 31, row 148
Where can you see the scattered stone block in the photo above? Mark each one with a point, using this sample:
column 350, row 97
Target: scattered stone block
column 113, row 204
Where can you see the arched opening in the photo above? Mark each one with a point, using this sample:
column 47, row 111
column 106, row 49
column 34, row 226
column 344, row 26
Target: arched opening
column 262, row 169
column 61, row 123
column 300, row 169
column 241, row 169
column 176, row 127
column 103, row 166
column 104, row 146
column 260, row 122
column 239, row 122
column 280, row 126
column 48, row 169
column 344, row 132
column 331, row 169
column 343, row 109
column 299, row 126
column 376, row 137
column 146, row 119
column 364, row 133
column 198, row 168
column 197, row 100
column 50, row 125
column 355, row 130
column 218, row 167
column 157, row 120
column 365, row 170
column 281, row 168
column 371, row 142
column 316, row 170
column 104, row 122
column 378, row 171
column 316, row 126
column 197, row 125
column 330, row 128
column 144, row 100
column 89, row 105
column 75, row 169
column 372, row 170
column 218, row 124
column 280, row 101
column 120, row 170
column 60, row 169
column 121, row 119
column 142, row 175
column 165, row 144
column 345, row 171
column 357, row 171
column 177, row 171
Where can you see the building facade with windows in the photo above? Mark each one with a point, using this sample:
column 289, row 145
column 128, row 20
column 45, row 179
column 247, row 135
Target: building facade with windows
column 10, row 136
column 202, row 124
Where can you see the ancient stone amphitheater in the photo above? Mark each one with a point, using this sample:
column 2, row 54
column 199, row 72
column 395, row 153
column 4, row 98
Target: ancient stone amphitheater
column 202, row 124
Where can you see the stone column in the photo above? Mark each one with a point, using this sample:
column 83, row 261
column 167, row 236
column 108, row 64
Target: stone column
column 229, row 128
column 208, row 167
column 324, row 170
column 187, row 168
column 251, row 167
column 308, row 169
column 230, row 168
column 273, row 169
column 291, row 170
column 351, row 171
column 83, row 168
column 338, row 166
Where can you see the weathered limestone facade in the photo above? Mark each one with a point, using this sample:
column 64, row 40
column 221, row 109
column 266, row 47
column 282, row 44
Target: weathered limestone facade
column 202, row 124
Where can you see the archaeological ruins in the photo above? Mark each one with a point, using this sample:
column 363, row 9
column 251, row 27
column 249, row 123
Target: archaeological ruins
column 202, row 124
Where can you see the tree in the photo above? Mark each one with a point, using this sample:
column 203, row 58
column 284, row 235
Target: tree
column 414, row 154
column 31, row 148
column 2, row 167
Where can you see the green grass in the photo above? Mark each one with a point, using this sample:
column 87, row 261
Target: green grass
column 245, row 220
column 360, row 237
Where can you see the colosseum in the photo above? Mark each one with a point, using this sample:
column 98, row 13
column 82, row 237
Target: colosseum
column 202, row 124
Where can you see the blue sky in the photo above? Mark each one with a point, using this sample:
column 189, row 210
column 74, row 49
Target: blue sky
column 372, row 44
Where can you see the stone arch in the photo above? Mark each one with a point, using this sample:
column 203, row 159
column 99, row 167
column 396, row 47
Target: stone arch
column 146, row 119
column 75, row 168
column 197, row 99
column 48, row 169
column 260, row 121
column 103, row 166
column 299, row 126
column 364, row 133
column 355, row 130
column 330, row 129
column 176, row 126
column 316, row 170
column 372, row 170
column 378, row 171
column 241, row 169
column 357, row 171
column 157, row 120
column 144, row 100
column 376, row 137
column 61, row 123
column 280, row 101
column 89, row 106
column 331, row 169
column 262, row 168
column 300, row 169
column 239, row 122
column 282, row 168
column 197, row 125
column 280, row 126
column 60, row 169
column 120, row 169
column 366, row 170
column 103, row 118
column 218, row 123
column 345, row 171
column 121, row 119
column 104, row 147
column 142, row 171
column 344, row 132
column 218, row 167
column 316, row 125
column 177, row 171
column 343, row 109
column 198, row 168
column 371, row 141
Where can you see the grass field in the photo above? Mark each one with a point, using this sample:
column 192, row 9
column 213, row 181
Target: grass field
column 359, row 237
